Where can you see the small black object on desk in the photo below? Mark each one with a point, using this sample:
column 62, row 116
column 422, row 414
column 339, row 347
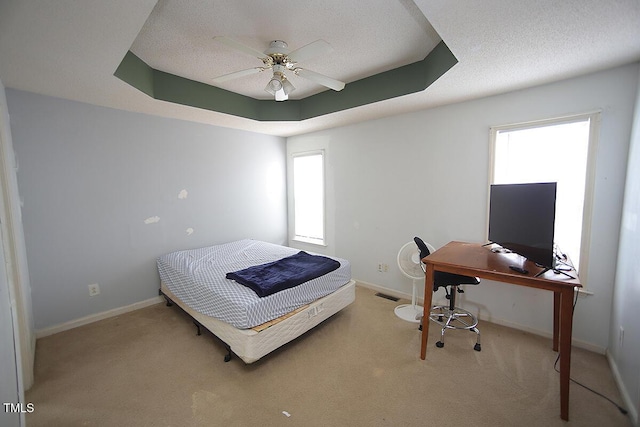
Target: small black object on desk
column 519, row 269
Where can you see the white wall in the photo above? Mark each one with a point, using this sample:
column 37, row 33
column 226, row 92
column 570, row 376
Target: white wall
column 9, row 390
column 17, row 325
column 625, row 350
column 90, row 176
column 427, row 173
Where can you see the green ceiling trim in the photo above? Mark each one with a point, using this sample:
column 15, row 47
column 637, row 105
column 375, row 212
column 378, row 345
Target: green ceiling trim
column 134, row 71
column 401, row 81
column 171, row 88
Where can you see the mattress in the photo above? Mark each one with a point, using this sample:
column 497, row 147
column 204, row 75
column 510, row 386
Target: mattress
column 196, row 277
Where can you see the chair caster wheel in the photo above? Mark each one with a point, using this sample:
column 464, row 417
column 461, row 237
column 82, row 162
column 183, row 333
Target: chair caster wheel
column 439, row 344
column 477, row 347
column 420, row 327
column 227, row 357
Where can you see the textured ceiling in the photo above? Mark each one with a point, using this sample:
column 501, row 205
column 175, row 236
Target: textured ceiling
column 71, row 49
column 367, row 37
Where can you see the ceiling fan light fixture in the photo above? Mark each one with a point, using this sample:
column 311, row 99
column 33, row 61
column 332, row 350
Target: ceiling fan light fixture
column 275, row 84
column 287, row 87
column 281, row 95
column 279, row 86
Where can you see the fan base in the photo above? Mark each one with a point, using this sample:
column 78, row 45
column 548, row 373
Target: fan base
column 409, row 312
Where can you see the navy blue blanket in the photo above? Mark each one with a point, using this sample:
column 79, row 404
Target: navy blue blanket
column 267, row 279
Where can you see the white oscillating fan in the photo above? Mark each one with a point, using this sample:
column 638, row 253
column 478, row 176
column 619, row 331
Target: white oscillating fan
column 410, row 265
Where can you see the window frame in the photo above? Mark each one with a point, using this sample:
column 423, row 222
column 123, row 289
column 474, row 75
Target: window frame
column 594, row 118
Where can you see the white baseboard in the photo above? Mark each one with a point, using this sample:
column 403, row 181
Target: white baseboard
column 386, row 291
column 95, row 317
column 547, row 334
column 628, row 402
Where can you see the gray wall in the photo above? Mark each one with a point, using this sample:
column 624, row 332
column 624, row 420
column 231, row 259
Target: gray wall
column 427, row 174
column 624, row 347
column 90, row 176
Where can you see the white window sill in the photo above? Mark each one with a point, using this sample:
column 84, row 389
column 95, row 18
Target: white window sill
column 315, row 242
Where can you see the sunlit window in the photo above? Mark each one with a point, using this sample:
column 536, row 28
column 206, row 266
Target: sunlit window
column 556, row 151
column 308, row 197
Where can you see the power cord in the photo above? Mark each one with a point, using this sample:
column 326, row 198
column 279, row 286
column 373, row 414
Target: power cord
column 620, row 408
column 555, row 367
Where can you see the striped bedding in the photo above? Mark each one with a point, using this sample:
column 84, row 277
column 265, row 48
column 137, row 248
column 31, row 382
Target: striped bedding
column 197, row 277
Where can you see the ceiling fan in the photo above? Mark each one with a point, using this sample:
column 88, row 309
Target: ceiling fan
column 278, row 58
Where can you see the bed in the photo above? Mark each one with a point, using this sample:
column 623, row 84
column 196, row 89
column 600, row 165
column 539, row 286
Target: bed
column 250, row 325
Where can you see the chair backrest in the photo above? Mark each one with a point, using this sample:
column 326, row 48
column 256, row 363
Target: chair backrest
column 424, row 250
column 442, row 279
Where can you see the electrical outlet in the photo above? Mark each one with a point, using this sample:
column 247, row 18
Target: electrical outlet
column 383, row 268
column 94, row 289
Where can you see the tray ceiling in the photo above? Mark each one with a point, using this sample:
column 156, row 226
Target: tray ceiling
column 71, row 49
column 367, row 37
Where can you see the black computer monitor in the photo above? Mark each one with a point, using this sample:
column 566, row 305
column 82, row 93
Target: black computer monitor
column 522, row 218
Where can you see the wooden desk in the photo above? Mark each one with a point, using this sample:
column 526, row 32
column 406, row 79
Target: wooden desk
column 473, row 259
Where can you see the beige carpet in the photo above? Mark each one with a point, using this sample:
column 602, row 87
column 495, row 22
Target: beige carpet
column 359, row 368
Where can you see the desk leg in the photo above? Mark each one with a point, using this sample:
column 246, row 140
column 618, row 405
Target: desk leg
column 556, row 319
column 428, row 297
column 566, row 324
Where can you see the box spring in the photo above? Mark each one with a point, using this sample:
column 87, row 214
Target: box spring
column 252, row 344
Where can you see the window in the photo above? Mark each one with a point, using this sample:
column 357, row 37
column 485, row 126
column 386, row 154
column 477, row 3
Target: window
column 308, row 197
column 554, row 150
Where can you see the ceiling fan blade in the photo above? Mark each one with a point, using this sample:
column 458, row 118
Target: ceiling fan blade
column 237, row 74
column 334, row 84
column 239, row 46
column 316, row 48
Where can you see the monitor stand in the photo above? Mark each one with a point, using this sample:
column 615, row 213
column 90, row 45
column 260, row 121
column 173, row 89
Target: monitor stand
column 555, row 270
column 562, row 258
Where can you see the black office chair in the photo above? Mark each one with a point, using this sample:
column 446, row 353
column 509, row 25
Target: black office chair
column 450, row 316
